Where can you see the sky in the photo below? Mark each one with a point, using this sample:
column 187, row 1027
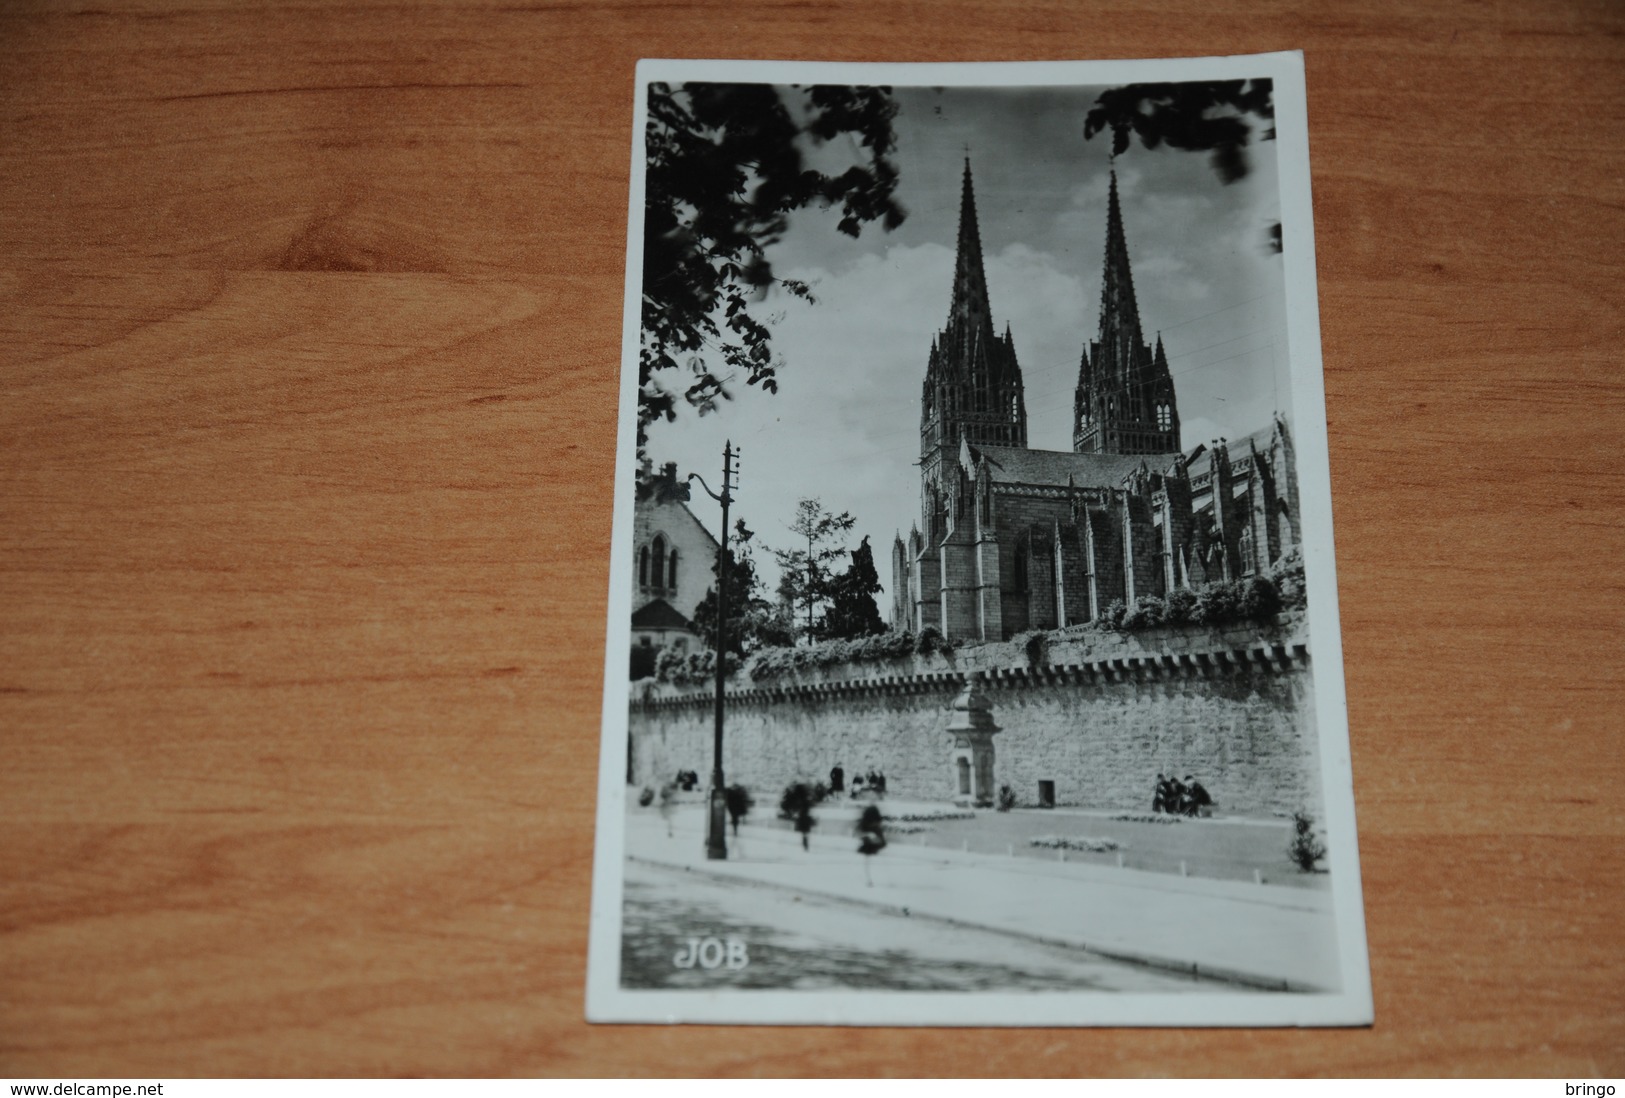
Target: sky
column 844, row 426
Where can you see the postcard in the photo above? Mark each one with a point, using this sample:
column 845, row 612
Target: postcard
column 973, row 652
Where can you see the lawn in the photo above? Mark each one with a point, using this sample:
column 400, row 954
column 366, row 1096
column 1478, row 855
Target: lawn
column 1225, row 849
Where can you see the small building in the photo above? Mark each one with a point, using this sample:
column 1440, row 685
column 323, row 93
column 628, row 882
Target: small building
column 673, row 560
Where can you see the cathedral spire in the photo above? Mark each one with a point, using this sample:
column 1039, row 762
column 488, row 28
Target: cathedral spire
column 1119, row 312
column 1125, row 397
column 970, row 304
column 973, row 391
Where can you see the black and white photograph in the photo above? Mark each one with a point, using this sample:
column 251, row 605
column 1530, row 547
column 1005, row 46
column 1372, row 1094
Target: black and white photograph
column 973, row 649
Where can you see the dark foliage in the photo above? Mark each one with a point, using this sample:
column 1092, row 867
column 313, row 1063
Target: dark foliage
column 1219, row 118
column 1148, row 612
column 806, row 582
column 1305, row 849
column 724, row 169
column 796, row 805
column 753, row 621
column 1180, row 604
column 739, row 802
column 852, row 608
column 770, row 663
column 690, row 668
column 1211, row 117
column 1287, row 575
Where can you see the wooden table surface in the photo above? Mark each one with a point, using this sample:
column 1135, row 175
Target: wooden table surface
column 310, row 329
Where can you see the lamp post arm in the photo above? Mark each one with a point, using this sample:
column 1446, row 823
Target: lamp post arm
column 724, row 498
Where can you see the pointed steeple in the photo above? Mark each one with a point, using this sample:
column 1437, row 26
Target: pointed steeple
column 970, row 304
column 973, row 390
column 1125, row 401
column 1119, row 312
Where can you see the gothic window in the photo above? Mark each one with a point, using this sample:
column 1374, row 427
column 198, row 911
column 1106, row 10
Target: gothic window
column 643, row 567
column 658, row 557
column 1021, row 569
column 671, row 572
column 1165, row 417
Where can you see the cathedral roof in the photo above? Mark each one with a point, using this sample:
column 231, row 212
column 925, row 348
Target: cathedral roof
column 1008, row 465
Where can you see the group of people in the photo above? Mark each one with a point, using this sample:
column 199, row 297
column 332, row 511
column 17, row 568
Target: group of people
column 1180, row 798
column 687, row 780
column 873, row 781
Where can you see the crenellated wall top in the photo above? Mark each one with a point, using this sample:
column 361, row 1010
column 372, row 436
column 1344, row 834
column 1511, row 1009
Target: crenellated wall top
column 1084, row 657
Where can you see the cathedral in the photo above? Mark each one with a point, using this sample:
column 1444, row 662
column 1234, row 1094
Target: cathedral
column 1010, row 538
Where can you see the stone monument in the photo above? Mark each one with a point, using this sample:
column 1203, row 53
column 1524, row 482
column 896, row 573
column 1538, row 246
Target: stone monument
column 972, row 729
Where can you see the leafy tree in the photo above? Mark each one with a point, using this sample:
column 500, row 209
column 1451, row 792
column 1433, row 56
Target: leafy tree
column 852, row 609
column 753, row 621
column 739, row 802
column 1305, row 849
column 805, row 582
column 725, row 167
column 1217, row 117
column 796, row 805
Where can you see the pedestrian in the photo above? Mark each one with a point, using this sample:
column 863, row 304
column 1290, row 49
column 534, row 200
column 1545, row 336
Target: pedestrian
column 739, row 802
column 837, row 779
column 1197, row 798
column 1176, row 797
column 871, row 838
column 805, row 822
column 668, row 804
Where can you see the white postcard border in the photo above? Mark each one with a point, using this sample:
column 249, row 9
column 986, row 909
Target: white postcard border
column 607, row 1001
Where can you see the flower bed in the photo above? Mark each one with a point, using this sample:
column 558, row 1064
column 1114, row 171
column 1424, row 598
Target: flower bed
column 1075, row 842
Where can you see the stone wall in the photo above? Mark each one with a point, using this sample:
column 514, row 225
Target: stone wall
column 1234, row 708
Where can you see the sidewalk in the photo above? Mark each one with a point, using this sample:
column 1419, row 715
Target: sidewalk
column 1265, row 936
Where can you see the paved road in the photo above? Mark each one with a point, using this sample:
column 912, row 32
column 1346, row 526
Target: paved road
column 1256, row 934
column 809, row 943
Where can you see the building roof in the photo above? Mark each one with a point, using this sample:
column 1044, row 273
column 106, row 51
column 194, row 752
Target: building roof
column 658, row 614
column 1200, row 460
column 666, row 493
column 1009, row 465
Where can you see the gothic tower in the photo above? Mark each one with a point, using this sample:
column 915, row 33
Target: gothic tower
column 973, row 389
column 1125, row 397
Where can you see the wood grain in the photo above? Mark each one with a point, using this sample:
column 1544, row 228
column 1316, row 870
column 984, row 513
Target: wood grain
column 310, row 324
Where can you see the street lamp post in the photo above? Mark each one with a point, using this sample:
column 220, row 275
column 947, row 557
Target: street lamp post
column 716, row 831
